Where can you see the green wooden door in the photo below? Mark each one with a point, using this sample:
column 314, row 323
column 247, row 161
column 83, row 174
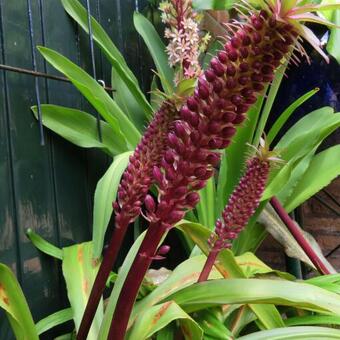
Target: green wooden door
column 50, row 189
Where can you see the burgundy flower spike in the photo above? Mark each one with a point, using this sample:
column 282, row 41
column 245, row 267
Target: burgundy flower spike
column 241, row 206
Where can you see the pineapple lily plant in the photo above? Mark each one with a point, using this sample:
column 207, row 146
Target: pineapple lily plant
column 195, row 146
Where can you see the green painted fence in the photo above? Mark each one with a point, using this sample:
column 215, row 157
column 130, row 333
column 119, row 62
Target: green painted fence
column 50, row 189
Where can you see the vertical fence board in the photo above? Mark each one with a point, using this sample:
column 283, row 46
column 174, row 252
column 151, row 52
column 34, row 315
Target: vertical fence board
column 8, row 241
column 30, row 162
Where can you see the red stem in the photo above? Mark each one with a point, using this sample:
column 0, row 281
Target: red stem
column 296, row 232
column 134, row 279
column 209, row 263
column 100, row 281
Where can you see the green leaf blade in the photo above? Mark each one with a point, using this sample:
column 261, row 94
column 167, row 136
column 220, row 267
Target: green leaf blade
column 157, row 317
column 44, row 246
column 157, row 50
column 54, row 320
column 105, row 194
column 324, row 167
column 13, row 301
column 96, row 95
column 80, row 271
column 296, row 333
column 287, row 113
column 79, row 128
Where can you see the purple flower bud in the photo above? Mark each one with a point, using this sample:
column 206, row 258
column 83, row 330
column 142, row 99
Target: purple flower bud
column 221, row 104
column 214, row 127
column 157, row 174
column 181, row 191
column 192, row 104
column 180, row 130
column 251, row 100
column 281, row 46
column 231, row 235
column 192, row 199
column 215, row 143
column 175, row 216
column 236, row 99
column 244, row 67
column 222, row 56
column 198, row 185
column 235, row 42
column 150, row 203
column 242, row 108
column 267, row 58
column 256, row 50
column 240, row 118
column 203, row 92
column 195, row 136
column 170, row 173
column 228, row 117
column 200, row 155
column 210, row 75
column 169, row 156
column 258, row 87
column 213, row 158
column 115, row 207
column 217, row 67
column 173, row 140
column 228, row 131
column 231, row 70
column 185, row 113
column 163, row 250
column 200, row 172
column 258, row 25
column 247, row 92
column 268, row 78
column 277, row 55
column 225, row 143
column 257, row 38
column 256, row 77
column 232, row 55
column 244, row 52
column 266, row 69
column 194, row 119
column 231, row 83
column 243, row 80
column 217, row 86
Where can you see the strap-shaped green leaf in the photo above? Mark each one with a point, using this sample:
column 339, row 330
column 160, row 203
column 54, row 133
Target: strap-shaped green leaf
column 105, row 194
column 296, row 333
column 80, row 128
column 287, row 113
column 54, row 320
column 254, row 291
column 96, row 95
column 80, row 270
column 13, row 301
column 157, row 317
column 157, row 50
column 44, row 246
column 324, row 167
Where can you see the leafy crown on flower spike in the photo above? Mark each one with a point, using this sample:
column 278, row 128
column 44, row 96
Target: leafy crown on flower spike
column 297, row 13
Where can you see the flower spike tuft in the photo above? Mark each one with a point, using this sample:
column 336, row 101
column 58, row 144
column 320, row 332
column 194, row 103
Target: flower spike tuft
column 294, row 13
